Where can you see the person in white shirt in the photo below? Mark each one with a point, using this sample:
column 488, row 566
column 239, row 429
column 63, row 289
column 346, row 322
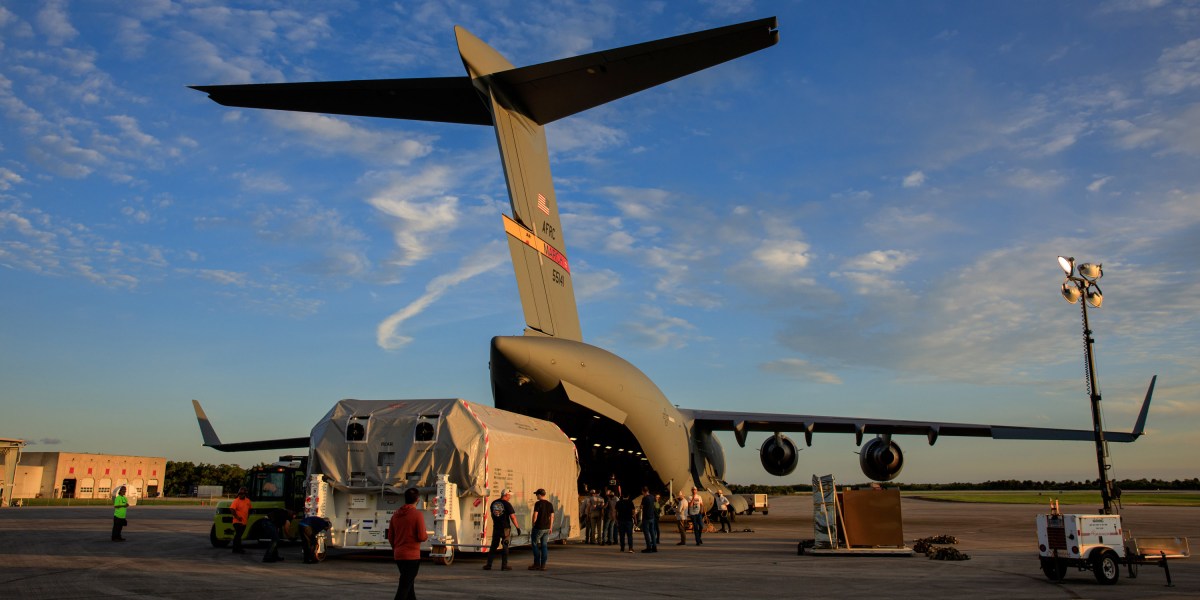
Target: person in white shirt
column 696, row 513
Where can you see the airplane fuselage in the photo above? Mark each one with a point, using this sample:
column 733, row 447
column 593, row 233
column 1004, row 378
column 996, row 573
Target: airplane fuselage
column 620, row 420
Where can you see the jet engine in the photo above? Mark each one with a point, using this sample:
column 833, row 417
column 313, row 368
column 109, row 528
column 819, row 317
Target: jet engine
column 881, row 459
column 779, row 455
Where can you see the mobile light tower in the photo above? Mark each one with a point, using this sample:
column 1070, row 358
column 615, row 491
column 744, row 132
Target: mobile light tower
column 1082, row 283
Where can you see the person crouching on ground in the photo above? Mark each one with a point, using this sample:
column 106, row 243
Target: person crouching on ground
column 405, row 532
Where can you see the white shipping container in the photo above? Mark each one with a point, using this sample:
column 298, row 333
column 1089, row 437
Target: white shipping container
column 459, row 454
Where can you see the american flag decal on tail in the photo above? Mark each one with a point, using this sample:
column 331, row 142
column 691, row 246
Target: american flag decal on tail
column 542, row 204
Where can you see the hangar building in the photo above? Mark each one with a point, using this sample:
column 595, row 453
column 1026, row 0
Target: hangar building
column 85, row 475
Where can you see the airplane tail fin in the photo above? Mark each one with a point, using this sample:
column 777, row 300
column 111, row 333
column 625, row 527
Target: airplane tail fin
column 518, row 102
column 1140, row 426
column 209, row 434
column 524, row 99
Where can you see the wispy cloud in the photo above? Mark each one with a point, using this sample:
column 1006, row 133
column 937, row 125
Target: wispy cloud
column 490, row 257
column 797, row 368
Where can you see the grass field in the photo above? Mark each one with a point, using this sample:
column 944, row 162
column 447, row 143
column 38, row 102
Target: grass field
column 108, row 502
column 1077, row 497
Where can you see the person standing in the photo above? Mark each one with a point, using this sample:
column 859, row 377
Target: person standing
column 681, row 517
column 625, row 510
column 120, row 503
column 723, row 512
column 585, row 504
column 696, row 513
column 543, row 522
column 405, row 532
column 503, row 515
column 649, row 521
column 610, row 517
column 595, row 518
column 240, row 508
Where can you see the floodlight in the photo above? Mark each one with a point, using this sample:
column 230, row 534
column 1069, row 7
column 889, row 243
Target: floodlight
column 1090, row 271
column 1067, row 264
column 1094, row 297
column 1070, row 293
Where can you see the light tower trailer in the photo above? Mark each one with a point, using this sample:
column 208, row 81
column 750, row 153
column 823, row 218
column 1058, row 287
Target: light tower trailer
column 458, row 454
column 1085, row 542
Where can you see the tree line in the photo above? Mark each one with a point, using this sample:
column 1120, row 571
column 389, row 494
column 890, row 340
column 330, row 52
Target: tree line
column 1002, row 484
column 182, row 477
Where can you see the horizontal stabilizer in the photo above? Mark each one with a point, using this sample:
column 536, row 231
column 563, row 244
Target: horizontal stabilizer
column 212, row 441
column 550, row 91
column 442, row 99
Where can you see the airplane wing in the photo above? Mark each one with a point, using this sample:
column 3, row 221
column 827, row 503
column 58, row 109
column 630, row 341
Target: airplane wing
column 550, row 91
column 442, row 99
column 740, row 423
column 212, row 441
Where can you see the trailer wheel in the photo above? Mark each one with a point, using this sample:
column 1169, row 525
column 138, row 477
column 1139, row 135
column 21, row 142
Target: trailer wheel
column 1107, row 567
column 212, row 538
column 1054, row 569
column 445, row 561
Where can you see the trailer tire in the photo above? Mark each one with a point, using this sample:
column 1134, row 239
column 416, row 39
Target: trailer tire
column 1107, row 567
column 1054, row 569
column 212, row 538
column 444, row 561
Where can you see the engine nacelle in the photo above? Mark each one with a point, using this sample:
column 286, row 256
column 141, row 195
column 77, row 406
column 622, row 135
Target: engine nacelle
column 881, row 460
column 779, row 455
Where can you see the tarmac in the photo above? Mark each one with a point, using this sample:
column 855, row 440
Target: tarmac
column 63, row 552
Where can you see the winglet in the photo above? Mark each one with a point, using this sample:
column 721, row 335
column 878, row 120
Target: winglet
column 212, row 441
column 1140, row 426
column 206, row 429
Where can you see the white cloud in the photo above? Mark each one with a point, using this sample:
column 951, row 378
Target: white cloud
column 1028, row 179
column 655, row 329
column 800, row 369
column 335, row 135
column 882, row 261
column 1178, row 69
column 489, row 257
column 53, row 22
column 1096, row 185
column 783, row 256
column 638, row 203
column 418, row 211
column 915, row 179
column 581, row 138
column 8, row 178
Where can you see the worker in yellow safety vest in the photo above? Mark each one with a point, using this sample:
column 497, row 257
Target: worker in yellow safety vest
column 119, row 506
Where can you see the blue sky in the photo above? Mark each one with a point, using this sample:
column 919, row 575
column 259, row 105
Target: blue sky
column 862, row 220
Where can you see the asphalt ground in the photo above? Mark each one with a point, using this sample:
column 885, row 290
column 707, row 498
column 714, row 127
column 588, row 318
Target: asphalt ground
column 59, row 552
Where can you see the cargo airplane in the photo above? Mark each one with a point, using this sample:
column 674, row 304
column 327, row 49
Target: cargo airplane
column 621, row 422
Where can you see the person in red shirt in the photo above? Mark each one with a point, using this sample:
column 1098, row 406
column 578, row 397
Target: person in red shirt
column 405, row 532
column 240, row 508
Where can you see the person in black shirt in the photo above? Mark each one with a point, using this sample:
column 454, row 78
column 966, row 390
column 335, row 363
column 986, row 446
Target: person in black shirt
column 503, row 514
column 543, row 521
column 625, row 522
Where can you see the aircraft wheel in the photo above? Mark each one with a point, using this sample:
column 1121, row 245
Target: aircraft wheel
column 1107, row 567
column 212, row 538
column 445, row 561
column 1055, row 570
